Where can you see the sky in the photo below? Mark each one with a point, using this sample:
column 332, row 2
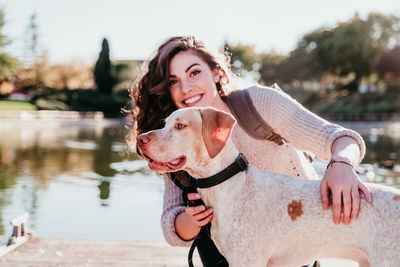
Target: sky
column 74, row 29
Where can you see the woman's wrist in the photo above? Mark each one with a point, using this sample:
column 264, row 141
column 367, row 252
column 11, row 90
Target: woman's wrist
column 346, row 149
column 339, row 161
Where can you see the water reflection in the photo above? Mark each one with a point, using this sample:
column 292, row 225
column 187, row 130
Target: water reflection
column 381, row 163
column 40, row 162
column 8, row 178
column 104, row 188
column 77, row 181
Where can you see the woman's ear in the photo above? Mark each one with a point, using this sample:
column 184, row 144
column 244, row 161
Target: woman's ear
column 217, row 75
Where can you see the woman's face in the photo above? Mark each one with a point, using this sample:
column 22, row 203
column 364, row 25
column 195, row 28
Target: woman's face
column 191, row 82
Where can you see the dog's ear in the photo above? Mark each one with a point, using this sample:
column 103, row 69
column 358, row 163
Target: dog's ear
column 216, row 129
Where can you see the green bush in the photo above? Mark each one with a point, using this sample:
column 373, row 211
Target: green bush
column 382, row 107
column 16, row 105
column 83, row 100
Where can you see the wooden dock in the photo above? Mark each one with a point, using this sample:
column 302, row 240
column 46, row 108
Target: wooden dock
column 24, row 250
column 46, row 252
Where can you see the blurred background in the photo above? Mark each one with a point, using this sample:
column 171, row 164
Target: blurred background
column 66, row 67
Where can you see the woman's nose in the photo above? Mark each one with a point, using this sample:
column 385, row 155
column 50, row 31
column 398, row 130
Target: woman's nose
column 186, row 86
column 142, row 139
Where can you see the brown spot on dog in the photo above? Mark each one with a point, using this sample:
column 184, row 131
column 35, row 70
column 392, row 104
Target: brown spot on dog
column 397, row 197
column 294, row 209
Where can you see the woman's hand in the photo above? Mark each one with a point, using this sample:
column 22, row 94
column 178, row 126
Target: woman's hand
column 189, row 223
column 200, row 215
column 344, row 184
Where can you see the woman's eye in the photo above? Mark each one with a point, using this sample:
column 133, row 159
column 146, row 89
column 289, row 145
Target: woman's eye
column 180, row 126
column 171, row 82
column 194, row 73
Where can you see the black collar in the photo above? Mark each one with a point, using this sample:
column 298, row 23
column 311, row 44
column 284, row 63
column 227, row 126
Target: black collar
column 240, row 164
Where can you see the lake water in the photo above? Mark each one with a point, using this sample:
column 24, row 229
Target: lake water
column 78, row 181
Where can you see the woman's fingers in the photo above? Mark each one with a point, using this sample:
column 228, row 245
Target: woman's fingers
column 365, row 190
column 337, row 204
column 194, row 210
column 324, row 191
column 355, row 195
column 347, row 200
column 200, row 214
column 204, row 221
column 193, row 196
column 347, row 205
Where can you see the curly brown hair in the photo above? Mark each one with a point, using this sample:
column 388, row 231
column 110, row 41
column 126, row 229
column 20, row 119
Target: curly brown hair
column 151, row 94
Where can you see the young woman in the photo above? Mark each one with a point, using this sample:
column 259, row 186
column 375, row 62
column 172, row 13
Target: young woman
column 185, row 73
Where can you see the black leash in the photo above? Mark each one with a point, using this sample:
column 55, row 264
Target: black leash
column 240, row 164
column 185, row 190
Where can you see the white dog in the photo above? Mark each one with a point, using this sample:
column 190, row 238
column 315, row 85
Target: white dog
column 267, row 219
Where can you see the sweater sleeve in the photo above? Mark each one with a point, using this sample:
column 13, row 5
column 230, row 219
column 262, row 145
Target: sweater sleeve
column 172, row 206
column 304, row 129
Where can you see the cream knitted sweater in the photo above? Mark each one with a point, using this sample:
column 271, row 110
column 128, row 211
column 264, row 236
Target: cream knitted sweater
column 303, row 130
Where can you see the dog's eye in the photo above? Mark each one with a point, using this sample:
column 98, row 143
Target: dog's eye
column 180, row 126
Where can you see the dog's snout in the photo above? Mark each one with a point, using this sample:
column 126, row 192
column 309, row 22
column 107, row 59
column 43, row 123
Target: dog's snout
column 142, row 139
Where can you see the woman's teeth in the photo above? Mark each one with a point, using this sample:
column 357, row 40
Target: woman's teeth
column 175, row 162
column 192, row 100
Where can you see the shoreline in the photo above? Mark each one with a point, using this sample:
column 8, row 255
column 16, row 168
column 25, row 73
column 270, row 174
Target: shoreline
column 54, row 118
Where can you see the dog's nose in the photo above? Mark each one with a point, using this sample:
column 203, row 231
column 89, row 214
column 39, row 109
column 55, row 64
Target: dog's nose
column 142, row 139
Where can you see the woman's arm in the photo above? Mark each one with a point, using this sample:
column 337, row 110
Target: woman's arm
column 172, row 206
column 302, row 128
column 181, row 224
column 307, row 131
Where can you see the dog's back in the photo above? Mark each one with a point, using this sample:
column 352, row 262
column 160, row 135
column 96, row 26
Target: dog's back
column 284, row 215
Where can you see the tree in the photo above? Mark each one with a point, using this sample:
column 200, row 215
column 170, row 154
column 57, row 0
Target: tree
column 243, row 57
column 8, row 64
column 102, row 71
column 33, row 78
column 124, row 73
column 72, row 75
column 35, row 62
column 270, row 67
column 31, row 43
column 389, row 64
column 352, row 47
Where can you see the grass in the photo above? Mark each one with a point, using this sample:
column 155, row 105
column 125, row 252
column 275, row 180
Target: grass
column 16, row 105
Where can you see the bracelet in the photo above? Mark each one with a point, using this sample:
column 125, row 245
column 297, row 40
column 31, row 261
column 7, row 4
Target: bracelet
column 337, row 161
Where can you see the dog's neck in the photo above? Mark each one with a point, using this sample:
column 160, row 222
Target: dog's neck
column 213, row 166
column 221, row 194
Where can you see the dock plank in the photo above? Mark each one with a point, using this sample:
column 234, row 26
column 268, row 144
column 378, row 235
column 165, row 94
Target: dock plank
column 73, row 252
column 46, row 252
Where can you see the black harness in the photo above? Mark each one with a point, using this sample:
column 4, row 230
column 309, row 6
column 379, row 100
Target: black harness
column 240, row 164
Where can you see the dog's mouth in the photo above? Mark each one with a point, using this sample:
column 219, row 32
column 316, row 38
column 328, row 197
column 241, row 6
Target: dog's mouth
column 165, row 166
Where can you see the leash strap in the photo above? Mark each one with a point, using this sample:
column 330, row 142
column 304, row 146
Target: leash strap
column 249, row 119
column 191, row 250
column 185, row 190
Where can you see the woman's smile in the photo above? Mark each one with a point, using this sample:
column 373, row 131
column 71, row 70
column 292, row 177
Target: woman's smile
column 193, row 101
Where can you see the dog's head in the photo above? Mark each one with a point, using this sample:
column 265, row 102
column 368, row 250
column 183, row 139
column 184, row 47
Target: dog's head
column 190, row 138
